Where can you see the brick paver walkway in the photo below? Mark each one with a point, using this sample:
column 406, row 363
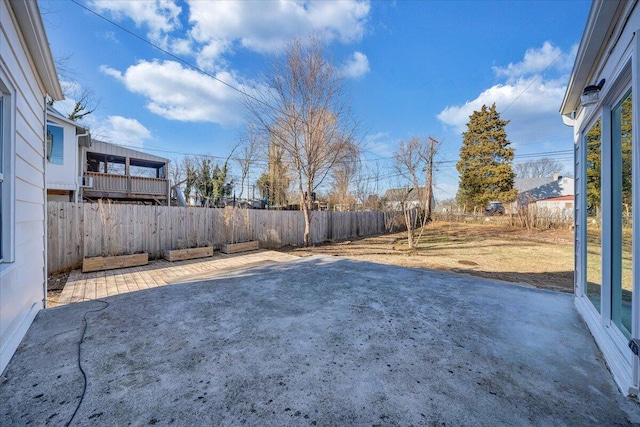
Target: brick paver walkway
column 86, row 286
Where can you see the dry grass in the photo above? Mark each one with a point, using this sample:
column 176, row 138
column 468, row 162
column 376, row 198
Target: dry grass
column 543, row 259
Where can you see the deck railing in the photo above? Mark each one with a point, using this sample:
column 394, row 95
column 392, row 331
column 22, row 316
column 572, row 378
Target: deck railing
column 128, row 184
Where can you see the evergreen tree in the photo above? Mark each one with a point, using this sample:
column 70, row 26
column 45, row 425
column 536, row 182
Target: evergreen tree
column 220, row 187
column 594, row 163
column 485, row 160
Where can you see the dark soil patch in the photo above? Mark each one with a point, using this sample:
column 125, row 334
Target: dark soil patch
column 55, row 285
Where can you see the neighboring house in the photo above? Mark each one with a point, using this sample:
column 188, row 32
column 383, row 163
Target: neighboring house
column 122, row 174
column 79, row 168
column 64, row 142
column 559, row 204
column 411, row 197
column 27, row 76
column 555, row 193
column 602, row 103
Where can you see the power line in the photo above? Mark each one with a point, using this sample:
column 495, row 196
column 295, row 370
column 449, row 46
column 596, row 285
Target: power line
column 533, row 81
column 249, row 96
column 171, row 55
column 195, row 67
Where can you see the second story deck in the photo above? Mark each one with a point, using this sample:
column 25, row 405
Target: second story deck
column 119, row 173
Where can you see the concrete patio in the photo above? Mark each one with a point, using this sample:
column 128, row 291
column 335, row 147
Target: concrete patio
column 315, row 341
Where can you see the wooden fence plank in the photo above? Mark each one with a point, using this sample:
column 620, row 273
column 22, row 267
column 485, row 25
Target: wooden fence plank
column 79, row 230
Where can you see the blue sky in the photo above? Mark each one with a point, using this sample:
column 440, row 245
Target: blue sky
column 414, row 68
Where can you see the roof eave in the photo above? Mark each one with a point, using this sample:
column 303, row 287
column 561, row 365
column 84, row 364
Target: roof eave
column 28, row 16
column 592, row 44
column 57, row 115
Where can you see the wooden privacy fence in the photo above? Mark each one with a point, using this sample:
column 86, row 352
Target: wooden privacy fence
column 78, row 230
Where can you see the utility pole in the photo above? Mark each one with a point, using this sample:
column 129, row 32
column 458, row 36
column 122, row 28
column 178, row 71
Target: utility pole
column 432, row 153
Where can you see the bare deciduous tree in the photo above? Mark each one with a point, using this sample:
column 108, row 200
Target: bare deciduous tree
column 305, row 111
column 538, row 168
column 86, row 104
column 342, row 175
column 414, row 161
column 366, row 182
column 85, row 99
column 249, row 153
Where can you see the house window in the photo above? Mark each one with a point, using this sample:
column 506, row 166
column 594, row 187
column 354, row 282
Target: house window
column 2, row 201
column 6, row 192
column 55, row 144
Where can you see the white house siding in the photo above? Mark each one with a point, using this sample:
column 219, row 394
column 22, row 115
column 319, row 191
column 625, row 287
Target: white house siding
column 610, row 50
column 23, row 281
column 559, row 207
column 64, row 176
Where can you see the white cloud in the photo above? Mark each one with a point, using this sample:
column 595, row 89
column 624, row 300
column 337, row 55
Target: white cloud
column 178, row 93
column 181, row 46
column 217, row 27
column 528, row 98
column 530, row 104
column 118, row 130
column 159, row 16
column 525, row 96
column 111, row 72
column 356, row 66
column 266, row 26
column 132, row 128
column 538, row 60
column 213, row 30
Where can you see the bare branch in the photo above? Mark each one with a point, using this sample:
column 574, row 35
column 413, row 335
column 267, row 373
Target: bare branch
column 304, row 113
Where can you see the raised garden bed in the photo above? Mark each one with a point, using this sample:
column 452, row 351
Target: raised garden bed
column 190, row 253
column 112, row 262
column 232, row 248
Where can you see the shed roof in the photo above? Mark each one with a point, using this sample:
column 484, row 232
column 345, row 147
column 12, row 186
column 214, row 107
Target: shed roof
column 409, row 194
column 526, row 184
column 119, row 151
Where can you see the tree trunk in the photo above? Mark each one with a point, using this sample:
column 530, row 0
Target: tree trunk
column 307, row 224
column 408, row 220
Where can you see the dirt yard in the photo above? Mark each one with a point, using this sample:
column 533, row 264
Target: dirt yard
column 543, row 259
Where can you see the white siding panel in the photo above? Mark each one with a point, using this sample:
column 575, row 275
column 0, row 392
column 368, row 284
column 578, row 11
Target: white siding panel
column 29, row 212
column 30, row 173
column 22, row 282
column 27, row 192
column 16, row 304
column 29, row 119
column 65, row 176
column 29, row 154
column 32, row 133
column 26, row 234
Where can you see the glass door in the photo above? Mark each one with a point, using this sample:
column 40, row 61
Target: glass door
column 621, row 219
column 593, row 226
